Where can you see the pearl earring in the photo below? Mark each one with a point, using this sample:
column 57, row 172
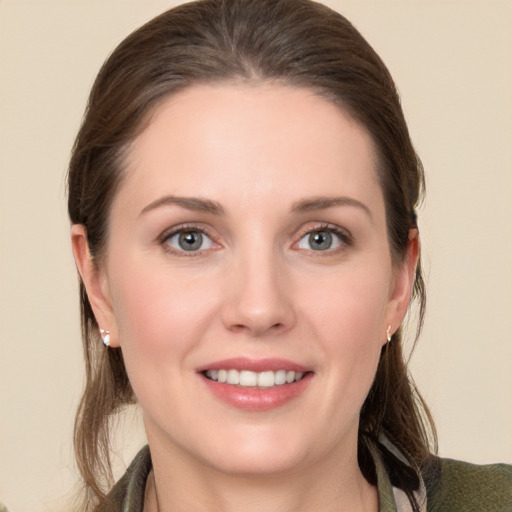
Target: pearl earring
column 105, row 337
column 388, row 333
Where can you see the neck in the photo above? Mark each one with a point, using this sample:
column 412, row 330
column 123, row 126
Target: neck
column 336, row 487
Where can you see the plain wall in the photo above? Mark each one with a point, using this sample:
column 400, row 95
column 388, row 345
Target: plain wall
column 452, row 61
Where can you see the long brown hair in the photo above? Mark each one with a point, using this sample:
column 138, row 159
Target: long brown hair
column 294, row 42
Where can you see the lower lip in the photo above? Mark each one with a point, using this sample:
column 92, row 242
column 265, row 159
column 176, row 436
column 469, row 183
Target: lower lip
column 257, row 399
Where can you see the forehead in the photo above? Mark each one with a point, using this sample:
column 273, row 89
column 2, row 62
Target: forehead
column 228, row 139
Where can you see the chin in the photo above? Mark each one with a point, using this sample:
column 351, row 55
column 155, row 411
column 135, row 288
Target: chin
column 256, row 465
column 258, row 455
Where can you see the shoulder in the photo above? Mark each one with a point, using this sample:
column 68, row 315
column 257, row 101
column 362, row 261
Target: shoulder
column 454, row 486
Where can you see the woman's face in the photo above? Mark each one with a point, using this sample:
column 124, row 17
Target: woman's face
column 248, row 243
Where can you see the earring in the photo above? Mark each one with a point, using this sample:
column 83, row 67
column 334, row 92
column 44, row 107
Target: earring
column 388, row 333
column 105, row 337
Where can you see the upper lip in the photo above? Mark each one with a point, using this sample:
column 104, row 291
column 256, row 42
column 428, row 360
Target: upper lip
column 254, row 365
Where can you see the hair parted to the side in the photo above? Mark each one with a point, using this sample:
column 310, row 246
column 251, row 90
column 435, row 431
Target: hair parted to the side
column 295, row 42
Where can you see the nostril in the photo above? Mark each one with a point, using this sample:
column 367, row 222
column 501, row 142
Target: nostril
column 238, row 328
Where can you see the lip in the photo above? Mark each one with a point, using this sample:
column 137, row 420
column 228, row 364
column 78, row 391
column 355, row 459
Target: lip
column 254, row 365
column 253, row 398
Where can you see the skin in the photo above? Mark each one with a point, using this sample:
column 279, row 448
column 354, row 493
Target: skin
column 256, row 288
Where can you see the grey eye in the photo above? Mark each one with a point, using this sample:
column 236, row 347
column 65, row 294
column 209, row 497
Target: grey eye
column 189, row 241
column 320, row 240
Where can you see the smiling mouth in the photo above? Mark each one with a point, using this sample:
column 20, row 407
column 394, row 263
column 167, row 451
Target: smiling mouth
column 250, row 379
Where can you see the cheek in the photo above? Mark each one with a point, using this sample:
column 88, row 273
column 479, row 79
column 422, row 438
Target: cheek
column 161, row 313
column 161, row 317
column 348, row 315
column 350, row 306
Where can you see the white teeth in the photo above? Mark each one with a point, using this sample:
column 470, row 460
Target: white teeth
column 266, row 379
column 247, row 378
column 233, row 377
column 280, row 377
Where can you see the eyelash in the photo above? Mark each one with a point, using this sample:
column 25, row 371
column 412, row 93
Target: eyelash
column 343, row 235
column 167, row 235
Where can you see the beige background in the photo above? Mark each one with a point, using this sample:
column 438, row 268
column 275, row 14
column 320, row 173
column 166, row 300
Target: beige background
column 452, row 61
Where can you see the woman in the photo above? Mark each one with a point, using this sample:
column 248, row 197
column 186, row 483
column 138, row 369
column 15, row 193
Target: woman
column 242, row 193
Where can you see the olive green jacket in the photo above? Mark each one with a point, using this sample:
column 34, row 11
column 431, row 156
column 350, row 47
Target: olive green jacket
column 447, row 486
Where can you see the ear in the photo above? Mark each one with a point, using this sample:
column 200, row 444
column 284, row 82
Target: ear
column 95, row 282
column 403, row 282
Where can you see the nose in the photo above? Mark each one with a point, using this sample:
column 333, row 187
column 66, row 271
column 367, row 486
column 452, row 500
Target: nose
column 258, row 299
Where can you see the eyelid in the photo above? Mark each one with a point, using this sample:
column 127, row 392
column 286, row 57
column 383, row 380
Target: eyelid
column 174, row 230
column 342, row 233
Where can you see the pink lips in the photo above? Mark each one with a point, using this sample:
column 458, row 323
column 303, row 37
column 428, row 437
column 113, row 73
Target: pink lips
column 256, row 398
column 254, row 365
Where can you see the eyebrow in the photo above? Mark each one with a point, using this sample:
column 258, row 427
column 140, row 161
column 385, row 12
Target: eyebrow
column 194, row 204
column 206, row 205
column 323, row 203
